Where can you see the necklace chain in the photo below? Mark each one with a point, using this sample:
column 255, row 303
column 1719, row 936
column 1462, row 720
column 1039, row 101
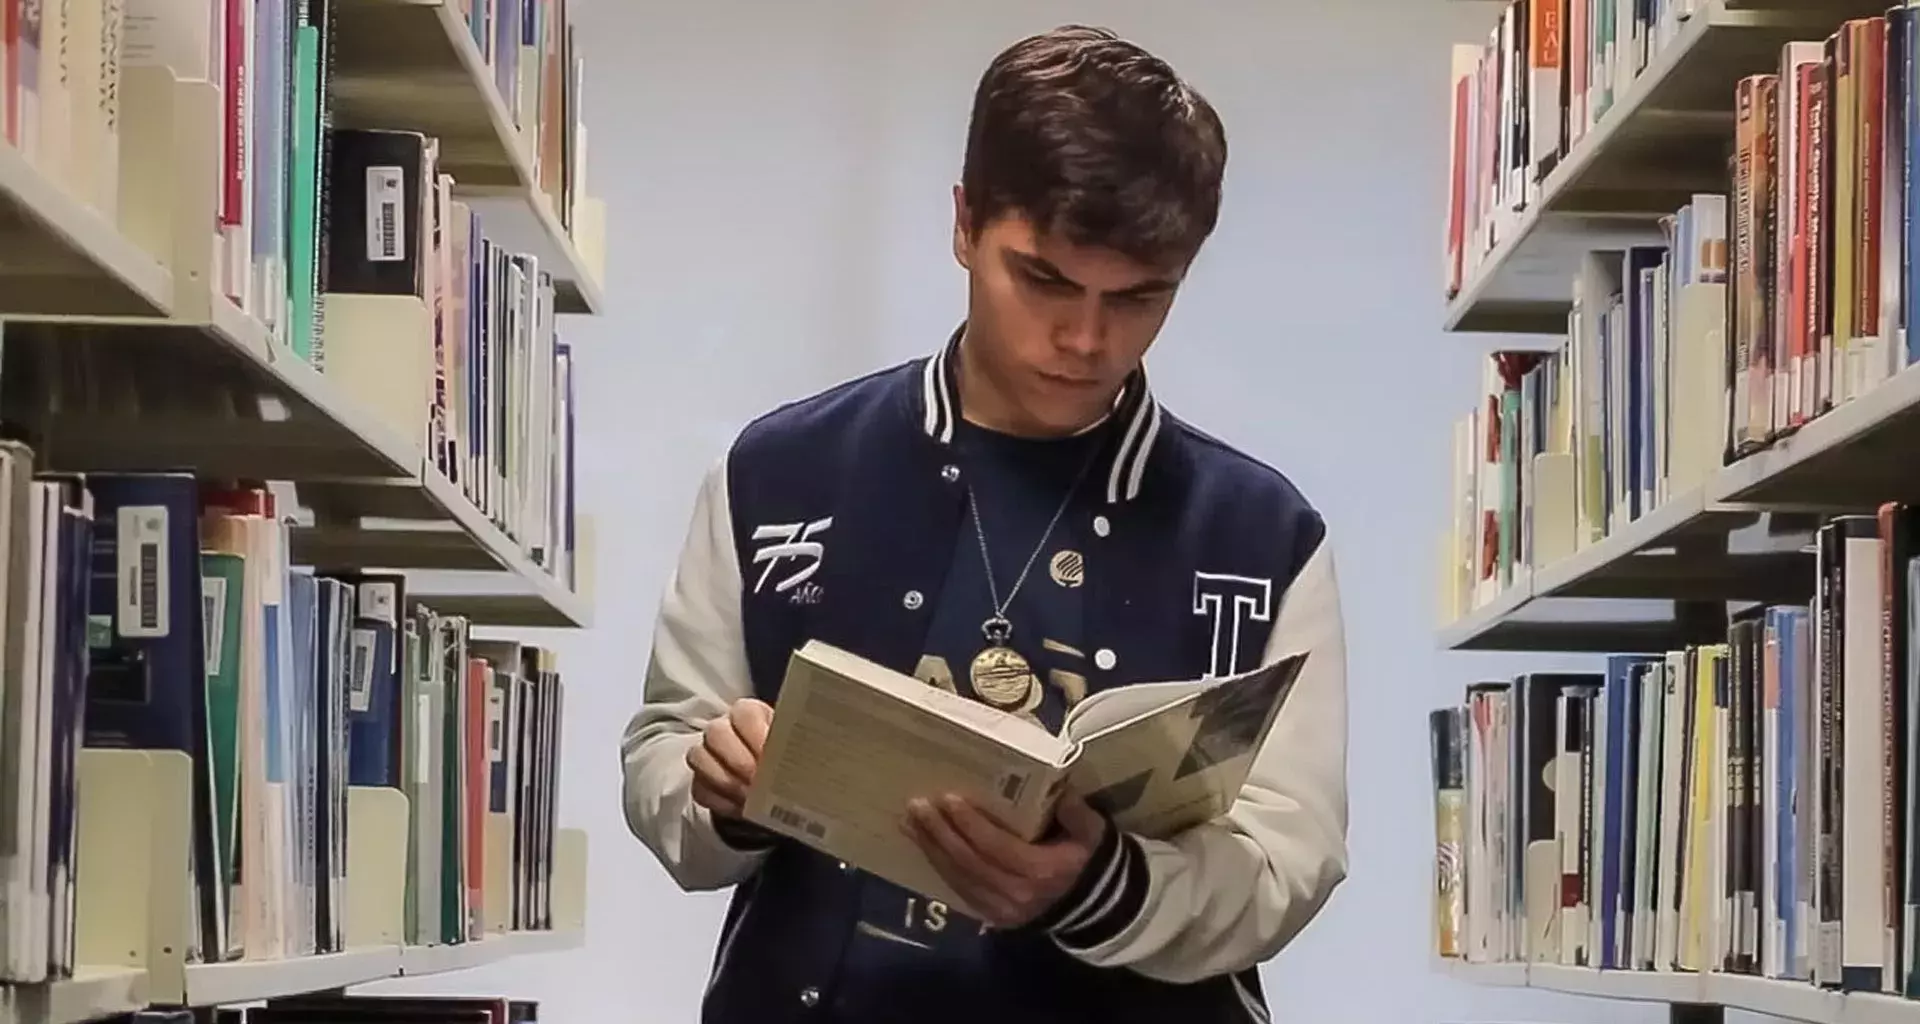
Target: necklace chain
column 998, row 628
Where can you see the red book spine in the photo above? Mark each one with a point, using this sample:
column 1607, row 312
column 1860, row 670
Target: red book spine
column 233, row 178
column 10, row 88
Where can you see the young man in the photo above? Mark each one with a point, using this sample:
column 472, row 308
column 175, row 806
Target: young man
column 1015, row 518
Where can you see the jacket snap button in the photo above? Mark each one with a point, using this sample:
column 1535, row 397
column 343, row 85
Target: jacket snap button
column 1104, row 658
column 950, row 473
column 913, row 600
column 1101, row 527
column 809, row 997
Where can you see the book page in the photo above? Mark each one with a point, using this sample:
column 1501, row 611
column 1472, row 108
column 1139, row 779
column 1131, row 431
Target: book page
column 1165, row 770
column 1109, row 708
column 848, row 750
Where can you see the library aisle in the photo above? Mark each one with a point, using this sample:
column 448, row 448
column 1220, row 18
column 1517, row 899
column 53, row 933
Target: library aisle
column 286, row 472
column 1697, row 475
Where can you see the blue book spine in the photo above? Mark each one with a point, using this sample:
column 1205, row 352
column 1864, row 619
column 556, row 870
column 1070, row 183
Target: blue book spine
column 146, row 659
column 373, row 709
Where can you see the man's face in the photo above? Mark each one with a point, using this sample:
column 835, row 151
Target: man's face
column 1054, row 327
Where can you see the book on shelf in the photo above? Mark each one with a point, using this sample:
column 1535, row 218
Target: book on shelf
column 1446, row 747
column 1749, row 314
column 853, row 742
column 1519, row 102
column 1742, row 806
column 159, row 611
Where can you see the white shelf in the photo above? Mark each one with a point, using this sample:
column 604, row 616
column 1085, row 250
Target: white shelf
column 1849, row 460
column 217, row 393
column 226, row 398
column 59, row 256
column 247, row 981
column 1661, row 140
column 1856, row 456
column 1789, row 1000
column 91, row 994
column 413, row 65
column 99, row 992
column 469, row 566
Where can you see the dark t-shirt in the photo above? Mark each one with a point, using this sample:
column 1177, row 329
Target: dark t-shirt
column 909, row 950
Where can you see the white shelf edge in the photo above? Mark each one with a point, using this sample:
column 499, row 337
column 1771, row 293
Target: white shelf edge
column 1490, row 613
column 1775, row 997
column 84, row 229
column 418, row 961
column 97, row 992
column 246, row 981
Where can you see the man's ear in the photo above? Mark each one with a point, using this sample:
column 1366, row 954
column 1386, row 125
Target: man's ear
column 962, row 235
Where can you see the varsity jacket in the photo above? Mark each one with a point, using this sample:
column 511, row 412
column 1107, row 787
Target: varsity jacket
column 834, row 518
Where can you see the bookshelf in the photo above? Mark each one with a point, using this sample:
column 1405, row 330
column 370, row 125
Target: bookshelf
column 1660, row 140
column 285, row 292
column 1701, row 994
column 413, row 64
column 1701, row 475
column 94, row 993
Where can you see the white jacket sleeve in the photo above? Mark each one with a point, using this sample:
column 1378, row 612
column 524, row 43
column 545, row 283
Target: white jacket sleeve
column 697, row 668
column 1230, row 894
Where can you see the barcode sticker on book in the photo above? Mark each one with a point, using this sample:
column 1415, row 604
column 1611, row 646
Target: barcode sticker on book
column 213, row 609
column 142, row 540
column 496, row 725
column 386, row 215
column 797, row 820
column 360, row 688
column 377, row 600
column 423, row 748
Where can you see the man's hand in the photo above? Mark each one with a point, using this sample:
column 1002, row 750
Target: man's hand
column 729, row 752
column 1008, row 880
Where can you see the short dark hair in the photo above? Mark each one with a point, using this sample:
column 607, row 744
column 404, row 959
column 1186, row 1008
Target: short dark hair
column 1094, row 138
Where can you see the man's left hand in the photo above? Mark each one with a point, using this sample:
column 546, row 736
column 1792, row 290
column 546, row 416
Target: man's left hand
column 1006, row 879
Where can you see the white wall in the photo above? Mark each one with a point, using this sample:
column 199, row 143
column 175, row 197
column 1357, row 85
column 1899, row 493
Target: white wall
column 777, row 176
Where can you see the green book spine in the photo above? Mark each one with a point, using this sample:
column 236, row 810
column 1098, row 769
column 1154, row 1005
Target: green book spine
column 454, row 910
column 223, row 589
column 303, row 241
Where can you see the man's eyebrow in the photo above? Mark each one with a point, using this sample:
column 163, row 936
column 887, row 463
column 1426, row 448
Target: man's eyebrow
column 1041, row 266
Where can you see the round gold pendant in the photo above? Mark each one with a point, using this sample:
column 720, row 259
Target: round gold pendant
column 1002, row 677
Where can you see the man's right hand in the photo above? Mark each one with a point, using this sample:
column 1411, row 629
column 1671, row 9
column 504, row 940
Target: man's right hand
column 729, row 752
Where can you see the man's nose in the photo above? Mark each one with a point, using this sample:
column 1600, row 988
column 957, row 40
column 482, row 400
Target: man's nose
column 1083, row 334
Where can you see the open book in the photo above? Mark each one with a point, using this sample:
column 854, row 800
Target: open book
column 853, row 741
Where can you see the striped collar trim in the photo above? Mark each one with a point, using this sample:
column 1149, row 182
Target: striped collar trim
column 1135, row 410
